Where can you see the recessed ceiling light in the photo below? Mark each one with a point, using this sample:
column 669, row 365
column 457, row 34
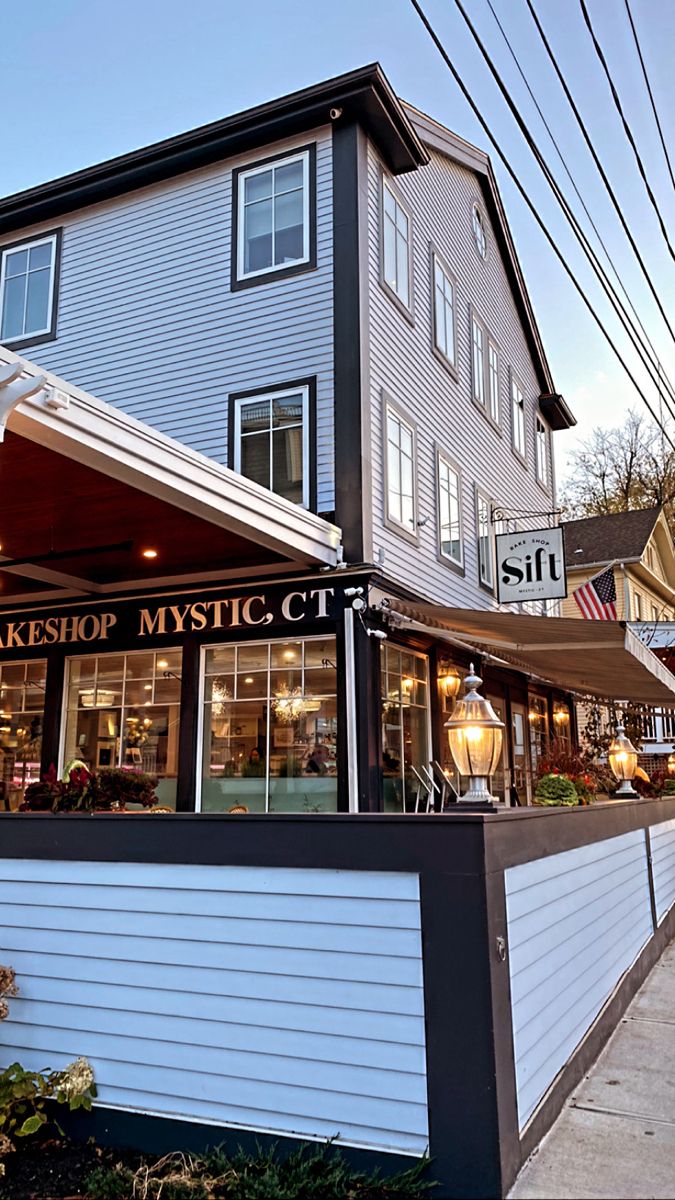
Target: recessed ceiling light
column 149, row 553
column 147, row 687
column 162, row 664
column 248, row 679
column 289, row 655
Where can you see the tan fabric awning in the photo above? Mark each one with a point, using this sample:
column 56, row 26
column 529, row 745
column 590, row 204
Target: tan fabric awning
column 598, row 658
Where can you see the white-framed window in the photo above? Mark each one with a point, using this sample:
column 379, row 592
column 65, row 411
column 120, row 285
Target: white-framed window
column 493, row 381
column 271, row 441
column 396, row 245
column 478, row 361
column 655, row 613
column 27, row 273
column 273, row 217
column 541, row 434
column 638, row 606
column 517, row 417
column 479, row 231
column 449, row 511
column 444, row 312
column 484, row 536
column 400, row 458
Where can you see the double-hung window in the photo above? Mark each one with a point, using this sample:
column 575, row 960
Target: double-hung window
column 27, row 278
column 493, row 381
column 478, row 361
column 541, row 435
column 517, row 417
column 444, row 312
column 271, row 441
column 449, row 512
column 484, row 531
column 273, row 216
column 400, row 458
column 396, row 247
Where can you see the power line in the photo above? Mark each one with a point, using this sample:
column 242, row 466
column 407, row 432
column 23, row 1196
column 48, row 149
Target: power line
column 650, row 93
column 603, row 174
column 484, row 125
column 626, row 127
column 578, row 194
column 569, row 214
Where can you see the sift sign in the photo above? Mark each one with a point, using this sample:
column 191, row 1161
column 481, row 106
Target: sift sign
column 531, row 566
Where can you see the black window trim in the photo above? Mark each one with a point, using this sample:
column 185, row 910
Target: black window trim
column 260, row 280
column 22, row 343
column 308, row 382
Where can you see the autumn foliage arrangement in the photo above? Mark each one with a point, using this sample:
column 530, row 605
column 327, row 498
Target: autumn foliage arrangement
column 82, row 790
column 578, row 768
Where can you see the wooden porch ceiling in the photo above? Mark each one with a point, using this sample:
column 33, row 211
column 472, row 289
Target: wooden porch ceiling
column 49, row 502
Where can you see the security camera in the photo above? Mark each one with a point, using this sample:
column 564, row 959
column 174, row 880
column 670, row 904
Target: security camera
column 335, row 114
column 377, row 633
column 354, row 591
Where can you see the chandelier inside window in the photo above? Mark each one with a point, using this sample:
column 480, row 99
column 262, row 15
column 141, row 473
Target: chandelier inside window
column 289, row 705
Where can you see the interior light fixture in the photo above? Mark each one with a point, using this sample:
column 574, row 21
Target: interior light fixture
column 248, row 679
column 162, row 664
column 289, row 655
column 149, row 553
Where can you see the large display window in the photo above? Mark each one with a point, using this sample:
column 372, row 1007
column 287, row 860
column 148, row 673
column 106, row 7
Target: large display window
column 269, row 729
column 406, row 744
column 123, row 710
column 22, row 703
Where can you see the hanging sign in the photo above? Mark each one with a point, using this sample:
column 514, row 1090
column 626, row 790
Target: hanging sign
column 531, row 566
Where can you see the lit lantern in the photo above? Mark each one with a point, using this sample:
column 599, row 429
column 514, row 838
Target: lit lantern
column 475, row 735
column 449, row 683
column 623, row 759
column 671, row 762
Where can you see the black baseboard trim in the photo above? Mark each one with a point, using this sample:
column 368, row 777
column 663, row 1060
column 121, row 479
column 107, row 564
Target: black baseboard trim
column 595, row 1039
column 156, row 1136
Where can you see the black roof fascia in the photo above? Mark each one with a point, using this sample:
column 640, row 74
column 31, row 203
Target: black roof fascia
column 364, row 95
column 556, row 411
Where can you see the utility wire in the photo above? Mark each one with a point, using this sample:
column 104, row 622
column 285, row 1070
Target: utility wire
column 603, row 174
column 626, row 127
column 514, row 176
column 654, row 372
column 650, row 93
column 577, row 192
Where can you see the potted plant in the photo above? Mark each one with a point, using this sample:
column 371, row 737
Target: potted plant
column 556, row 790
column 82, row 790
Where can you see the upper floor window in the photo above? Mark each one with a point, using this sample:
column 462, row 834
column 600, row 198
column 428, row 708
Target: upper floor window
column 493, row 381
column 478, row 361
column 396, row 245
column 484, row 531
column 517, row 417
column 273, row 216
column 542, row 452
column 449, row 511
column 655, row 613
column 271, row 441
column 479, row 232
column 27, row 278
column 400, row 459
column 444, row 312
column 638, row 606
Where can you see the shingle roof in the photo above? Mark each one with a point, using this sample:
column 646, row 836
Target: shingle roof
column 609, row 538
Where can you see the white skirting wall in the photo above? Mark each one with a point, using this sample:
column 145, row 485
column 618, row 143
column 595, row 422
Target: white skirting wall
column 663, row 866
column 283, row 1000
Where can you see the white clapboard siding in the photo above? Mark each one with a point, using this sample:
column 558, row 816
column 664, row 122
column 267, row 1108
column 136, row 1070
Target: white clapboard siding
column 276, row 999
column 576, row 922
column 663, row 866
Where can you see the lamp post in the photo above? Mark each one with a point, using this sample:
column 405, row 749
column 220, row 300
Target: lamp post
column 623, row 759
column 475, row 737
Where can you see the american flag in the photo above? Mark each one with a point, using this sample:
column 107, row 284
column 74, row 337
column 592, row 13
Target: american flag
column 597, row 597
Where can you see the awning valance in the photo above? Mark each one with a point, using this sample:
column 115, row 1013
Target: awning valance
column 598, row 658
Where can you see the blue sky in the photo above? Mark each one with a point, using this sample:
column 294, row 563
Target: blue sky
column 84, row 81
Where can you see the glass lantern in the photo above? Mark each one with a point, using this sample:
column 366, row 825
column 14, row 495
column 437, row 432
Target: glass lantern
column 475, row 735
column 671, row 764
column 623, row 758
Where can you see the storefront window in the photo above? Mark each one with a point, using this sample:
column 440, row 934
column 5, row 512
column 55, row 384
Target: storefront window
column 22, row 702
column 405, row 727
column 270, row 727
column 561, row 723
column 123, row 710
column 538, row 721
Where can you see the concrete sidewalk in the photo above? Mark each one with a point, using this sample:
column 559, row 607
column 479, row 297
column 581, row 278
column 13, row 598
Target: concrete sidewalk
column 615, row 1138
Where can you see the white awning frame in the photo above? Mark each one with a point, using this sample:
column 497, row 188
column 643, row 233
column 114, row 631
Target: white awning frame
column 73, row 423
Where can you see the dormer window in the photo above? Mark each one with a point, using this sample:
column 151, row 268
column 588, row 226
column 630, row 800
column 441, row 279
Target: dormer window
column 273, row 218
